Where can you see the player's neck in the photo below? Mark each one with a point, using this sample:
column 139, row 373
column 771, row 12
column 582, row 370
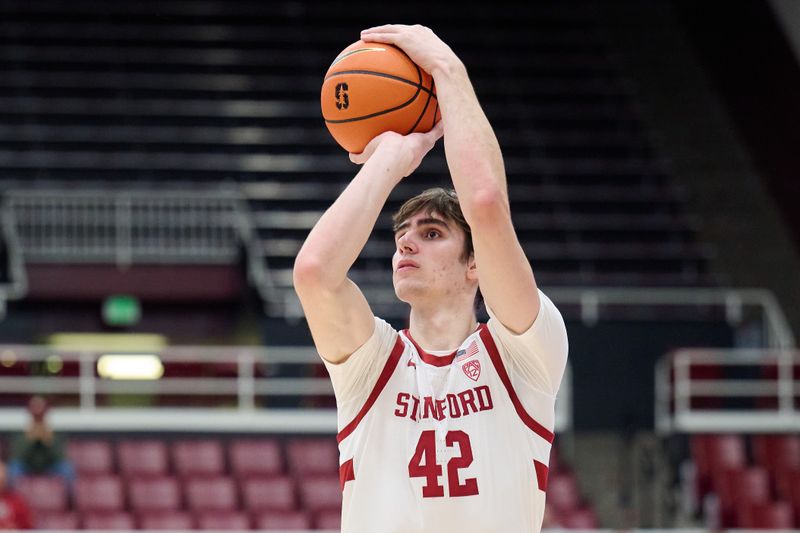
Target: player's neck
column 441, row 329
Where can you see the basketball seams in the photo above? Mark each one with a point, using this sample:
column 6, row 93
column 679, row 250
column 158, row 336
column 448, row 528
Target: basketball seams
column 427, row 103
column 418, row 84
column 377, row 113
column 353, row 52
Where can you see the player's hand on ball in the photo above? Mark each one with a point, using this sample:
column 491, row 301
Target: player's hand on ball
column 423, row 46
column 409, row 150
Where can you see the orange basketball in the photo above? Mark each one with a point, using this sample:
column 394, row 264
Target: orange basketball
column 371, row 88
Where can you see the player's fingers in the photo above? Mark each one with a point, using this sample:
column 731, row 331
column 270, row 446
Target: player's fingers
column 385, row 28
column 358, row 159
column 388, row 38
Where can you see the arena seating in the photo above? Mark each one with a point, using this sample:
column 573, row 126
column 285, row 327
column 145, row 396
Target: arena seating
column 293, row 485
column 46, row 494
column 755, row 480
column 142, row 94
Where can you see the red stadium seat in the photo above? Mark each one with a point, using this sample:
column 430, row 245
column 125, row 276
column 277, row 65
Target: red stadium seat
column 779, row 454
column 223, row 521
column 91, row 457
column 99, row 494
column 583, row 518
column 154, row 494
column 43, row 493
column 713, row 454
column 175, row 520
column 198, row 457
column 737, row 488
column 793, row 496
column 321, row 493
column 272, row 493
column 563, row 495
column 111, row 520
column 260, row 457
column 142, row 457
column 313, row 456
column 211, row 494
column 769, row 515
column 56, row 521
column 328, row 520
column 283, row 520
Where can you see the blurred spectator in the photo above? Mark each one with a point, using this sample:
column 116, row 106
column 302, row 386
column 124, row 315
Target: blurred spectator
column 14, row 511
column 39, row 451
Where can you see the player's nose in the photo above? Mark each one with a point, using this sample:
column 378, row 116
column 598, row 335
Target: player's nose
column 406, row 244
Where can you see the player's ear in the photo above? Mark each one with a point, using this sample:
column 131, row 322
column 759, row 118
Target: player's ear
column 472, row 268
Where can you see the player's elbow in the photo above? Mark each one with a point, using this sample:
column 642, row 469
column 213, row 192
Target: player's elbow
column 308, row 272
column 486, row 205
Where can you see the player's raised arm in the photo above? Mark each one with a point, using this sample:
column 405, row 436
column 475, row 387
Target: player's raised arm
column 338, row 315
column 476, row 166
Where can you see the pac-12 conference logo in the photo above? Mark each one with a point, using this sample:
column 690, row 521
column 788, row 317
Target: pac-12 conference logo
column 342, row 98
column 472, row 369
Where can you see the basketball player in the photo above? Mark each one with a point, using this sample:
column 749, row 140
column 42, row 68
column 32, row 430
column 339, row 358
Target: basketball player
column 446, row 426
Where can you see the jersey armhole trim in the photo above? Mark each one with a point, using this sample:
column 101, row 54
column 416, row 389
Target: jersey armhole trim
column 383, row 379
column 541, row 474
column 497, row 361
column 346, row 473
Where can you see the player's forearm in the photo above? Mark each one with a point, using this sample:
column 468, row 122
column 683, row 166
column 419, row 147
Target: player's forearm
column 473, row 153
column 338, row 237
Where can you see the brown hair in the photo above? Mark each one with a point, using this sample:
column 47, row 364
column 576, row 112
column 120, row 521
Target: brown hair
column 443, row 202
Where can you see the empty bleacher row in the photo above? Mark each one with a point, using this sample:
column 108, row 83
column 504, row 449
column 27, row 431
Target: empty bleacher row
column 125, row 95
column 741, row 482
column 210, row 483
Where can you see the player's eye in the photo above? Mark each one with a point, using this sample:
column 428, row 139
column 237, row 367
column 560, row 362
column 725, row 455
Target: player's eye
column 431, row 234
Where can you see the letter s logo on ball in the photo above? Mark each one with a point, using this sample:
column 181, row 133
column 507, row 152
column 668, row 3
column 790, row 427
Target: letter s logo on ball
column 342, row 98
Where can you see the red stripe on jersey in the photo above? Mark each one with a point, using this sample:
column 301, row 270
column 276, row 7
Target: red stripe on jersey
column 383, row 379
column 435, row 360
column 541, row 474
column 497, row 361
column 346, row 472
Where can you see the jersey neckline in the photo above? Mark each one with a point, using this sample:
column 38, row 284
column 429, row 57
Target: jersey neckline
column 440, row 359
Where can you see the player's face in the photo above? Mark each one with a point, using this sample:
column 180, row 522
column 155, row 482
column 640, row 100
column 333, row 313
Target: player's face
column 428, row 259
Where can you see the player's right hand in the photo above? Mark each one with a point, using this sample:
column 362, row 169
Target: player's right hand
column 423, row 46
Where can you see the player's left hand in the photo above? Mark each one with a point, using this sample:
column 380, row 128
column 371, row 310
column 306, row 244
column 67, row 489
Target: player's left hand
column 405, row 151
column 423, row 46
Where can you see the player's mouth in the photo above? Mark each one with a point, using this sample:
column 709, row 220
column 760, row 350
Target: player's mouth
column 406, row 265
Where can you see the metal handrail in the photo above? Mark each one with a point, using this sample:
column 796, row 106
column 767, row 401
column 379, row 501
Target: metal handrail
column 241, row 390
column 125, row 227
column 778, row 332
column 677, row 392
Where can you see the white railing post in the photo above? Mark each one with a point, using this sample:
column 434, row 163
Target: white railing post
column 785, row 382
column 683, row 386
column 246, row 382
column 87, row 381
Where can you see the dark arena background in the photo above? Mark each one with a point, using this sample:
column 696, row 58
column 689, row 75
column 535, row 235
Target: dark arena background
column 161, row 163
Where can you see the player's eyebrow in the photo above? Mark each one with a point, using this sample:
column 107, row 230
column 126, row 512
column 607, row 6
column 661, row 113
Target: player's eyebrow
column 422, row 222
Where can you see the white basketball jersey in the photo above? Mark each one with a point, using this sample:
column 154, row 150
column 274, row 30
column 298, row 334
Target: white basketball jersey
column 445, row 443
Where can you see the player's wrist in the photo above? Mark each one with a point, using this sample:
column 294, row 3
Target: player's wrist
column 390, row 159
column 446, row 68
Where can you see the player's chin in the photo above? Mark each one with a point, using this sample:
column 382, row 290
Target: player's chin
column 405, row 290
